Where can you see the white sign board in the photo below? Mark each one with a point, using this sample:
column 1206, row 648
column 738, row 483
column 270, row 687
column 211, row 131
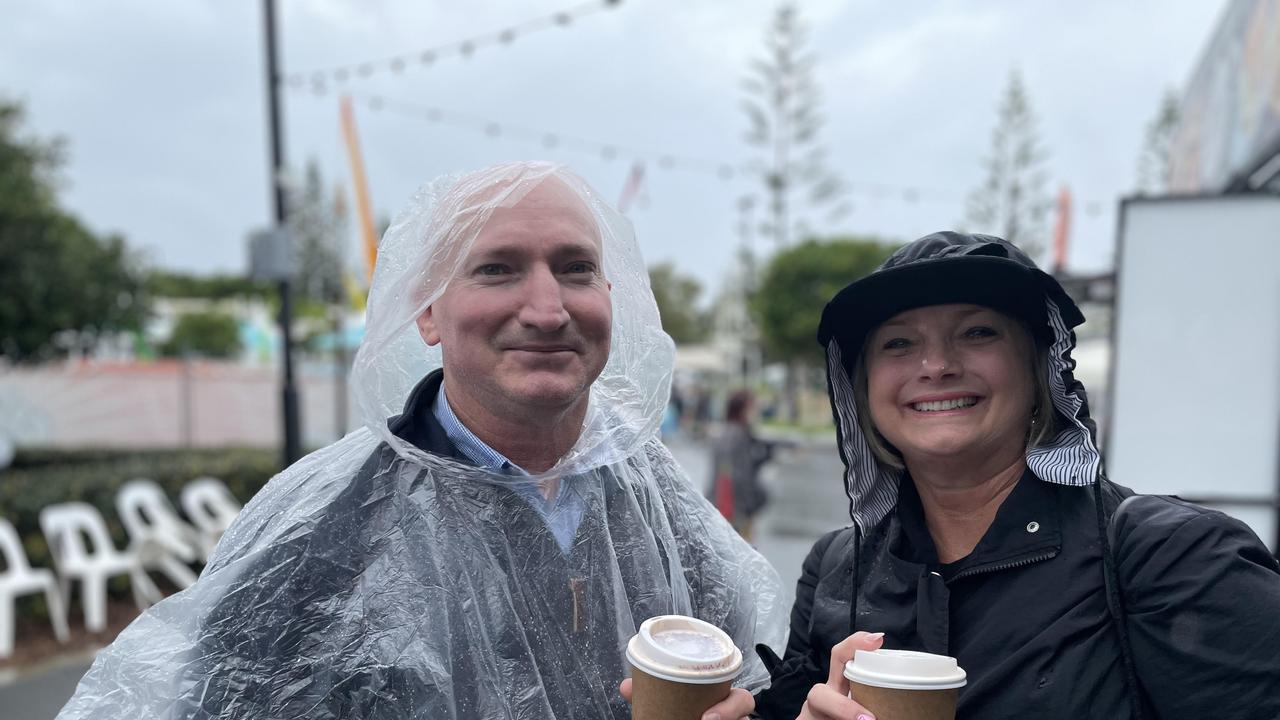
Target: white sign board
column 1195, row 394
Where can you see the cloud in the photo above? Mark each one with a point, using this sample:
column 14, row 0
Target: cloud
column 164, row 104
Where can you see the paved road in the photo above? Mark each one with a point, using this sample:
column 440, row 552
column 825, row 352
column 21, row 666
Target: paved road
column 807, row 500
column 40, row 694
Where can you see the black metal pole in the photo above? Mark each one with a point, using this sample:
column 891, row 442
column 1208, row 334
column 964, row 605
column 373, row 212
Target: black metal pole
column 339, row 375
column 188, row 432
column 289, row 394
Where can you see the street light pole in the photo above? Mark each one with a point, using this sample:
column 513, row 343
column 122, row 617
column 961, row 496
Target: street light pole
column 289, row 394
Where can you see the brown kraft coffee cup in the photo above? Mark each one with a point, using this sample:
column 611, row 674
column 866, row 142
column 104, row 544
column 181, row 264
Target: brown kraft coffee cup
column 905, row 685
column 680, row 667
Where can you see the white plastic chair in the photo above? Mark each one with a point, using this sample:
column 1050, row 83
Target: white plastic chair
column 19, row 578
column 66, row 526
column 160, row 540
column 209, row 506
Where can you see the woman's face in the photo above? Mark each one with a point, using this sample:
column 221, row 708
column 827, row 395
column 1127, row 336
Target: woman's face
column 951, row 382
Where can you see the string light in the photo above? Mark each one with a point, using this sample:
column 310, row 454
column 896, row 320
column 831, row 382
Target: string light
column 609, row 151
column 465, row 48
column 318, row 83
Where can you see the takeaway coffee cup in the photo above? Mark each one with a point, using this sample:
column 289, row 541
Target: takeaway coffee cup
column 680, row 666
column 905, row 685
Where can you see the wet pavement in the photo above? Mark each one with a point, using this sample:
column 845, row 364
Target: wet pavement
column 38, row 694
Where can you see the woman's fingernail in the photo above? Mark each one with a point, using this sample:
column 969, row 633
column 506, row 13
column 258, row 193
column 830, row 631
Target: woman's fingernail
column 874, row 636
column 865, row 717
column 711, row 716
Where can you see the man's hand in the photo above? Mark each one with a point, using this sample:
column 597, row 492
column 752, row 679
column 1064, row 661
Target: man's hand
column 737, row 706
column 830, row 700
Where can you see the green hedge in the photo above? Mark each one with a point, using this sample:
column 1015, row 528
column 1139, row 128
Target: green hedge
column 40, row 477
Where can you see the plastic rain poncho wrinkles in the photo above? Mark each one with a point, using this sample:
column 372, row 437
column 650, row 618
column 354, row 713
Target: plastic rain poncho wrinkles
column 373, row 579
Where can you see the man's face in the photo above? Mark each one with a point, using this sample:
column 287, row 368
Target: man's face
column 524, row 326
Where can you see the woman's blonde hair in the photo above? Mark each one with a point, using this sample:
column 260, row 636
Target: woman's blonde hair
column 1045, row 420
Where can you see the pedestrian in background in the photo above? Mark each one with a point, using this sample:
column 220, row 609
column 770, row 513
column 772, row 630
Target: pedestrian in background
column 737, row 456
column 671, row 416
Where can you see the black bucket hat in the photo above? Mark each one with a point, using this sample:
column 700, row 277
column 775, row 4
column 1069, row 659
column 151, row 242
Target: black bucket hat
column 944, row 268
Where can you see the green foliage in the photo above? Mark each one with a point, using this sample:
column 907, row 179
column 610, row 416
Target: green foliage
column 26, row 167
column 796, row 285
column 64, row 287
column 169, row 284
column 1012, row 201
column 677, row 297
column 209, row 334
column 41, row 477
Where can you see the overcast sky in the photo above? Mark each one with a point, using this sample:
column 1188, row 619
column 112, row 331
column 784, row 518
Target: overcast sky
column 163, row 105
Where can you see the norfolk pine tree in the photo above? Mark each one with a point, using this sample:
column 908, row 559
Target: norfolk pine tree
column 1012, row 201
column 1153, row 160
column 782, row 106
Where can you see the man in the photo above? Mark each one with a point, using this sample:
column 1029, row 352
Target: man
column 487, row 545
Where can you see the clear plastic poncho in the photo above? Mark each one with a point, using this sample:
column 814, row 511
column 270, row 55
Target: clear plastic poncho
column 373, row 579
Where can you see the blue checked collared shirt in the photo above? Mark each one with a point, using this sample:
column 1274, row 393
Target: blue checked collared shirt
column 562, row 513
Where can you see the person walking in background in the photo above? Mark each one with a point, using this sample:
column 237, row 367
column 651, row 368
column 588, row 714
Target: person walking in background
column 700, row 413
column 736, row 458
column 671, row 416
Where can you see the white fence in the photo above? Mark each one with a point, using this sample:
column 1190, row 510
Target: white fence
column 170, row 403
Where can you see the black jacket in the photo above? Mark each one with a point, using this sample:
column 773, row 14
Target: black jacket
column 1026, row 614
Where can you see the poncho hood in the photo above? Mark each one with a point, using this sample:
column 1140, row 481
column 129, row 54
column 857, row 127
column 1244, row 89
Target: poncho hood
column 422, row 251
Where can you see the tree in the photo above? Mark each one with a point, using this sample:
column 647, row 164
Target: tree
column 172, row 284
column 782, row 106
column 1012, row 201
column 64, row 287
column 677, row 297
column 797, row 283
column 1153, row 161
column 208, row 334
column 316, row 225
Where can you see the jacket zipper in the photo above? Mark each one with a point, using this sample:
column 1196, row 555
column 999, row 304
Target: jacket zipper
column 1004, row 566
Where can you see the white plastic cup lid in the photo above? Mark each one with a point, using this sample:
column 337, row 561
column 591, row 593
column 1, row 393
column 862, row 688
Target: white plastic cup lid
column 684, row 649
column 904, row 670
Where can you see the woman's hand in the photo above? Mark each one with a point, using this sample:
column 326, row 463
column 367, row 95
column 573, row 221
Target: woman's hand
column 737, row 706
column 830, row 700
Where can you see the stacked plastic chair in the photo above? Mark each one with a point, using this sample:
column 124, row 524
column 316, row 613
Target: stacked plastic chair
column 209, row 506
column 160, row 540
column 18, row 579
column 66, row 526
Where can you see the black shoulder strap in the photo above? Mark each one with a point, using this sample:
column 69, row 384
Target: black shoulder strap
column 1115, row 598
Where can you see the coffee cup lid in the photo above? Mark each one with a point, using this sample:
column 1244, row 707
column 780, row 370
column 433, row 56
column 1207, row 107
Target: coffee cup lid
column 904, row 670
column 684, row 649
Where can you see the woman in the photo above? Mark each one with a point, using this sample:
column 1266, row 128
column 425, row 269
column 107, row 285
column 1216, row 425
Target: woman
column 736, row 457
column 985, row 527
